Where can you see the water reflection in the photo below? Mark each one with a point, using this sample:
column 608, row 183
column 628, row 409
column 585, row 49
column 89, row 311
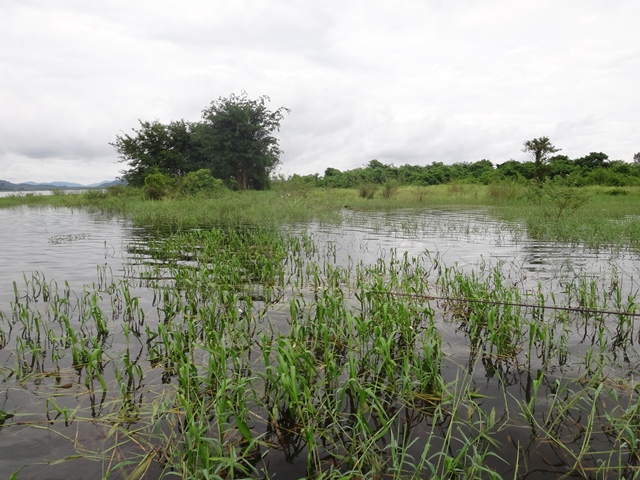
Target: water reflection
column 465, row 238
column 69, row 244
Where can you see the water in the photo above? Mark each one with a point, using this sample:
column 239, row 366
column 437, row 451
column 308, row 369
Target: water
column 61, row 244
column 466, row 238
column 75, row 246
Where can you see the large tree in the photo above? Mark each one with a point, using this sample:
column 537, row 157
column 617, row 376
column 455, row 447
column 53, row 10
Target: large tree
column 540, row 150
column 158, row 148
column 593, row 160
column 234, row 141
column 237, row 138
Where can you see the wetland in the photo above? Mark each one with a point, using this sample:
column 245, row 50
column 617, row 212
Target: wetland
column 439, row 340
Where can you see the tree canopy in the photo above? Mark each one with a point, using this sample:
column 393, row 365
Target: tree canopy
column 234, row 140
column 593, row 169
column 540, row 150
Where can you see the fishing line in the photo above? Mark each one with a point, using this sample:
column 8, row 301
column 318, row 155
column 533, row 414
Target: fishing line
column 509, row 304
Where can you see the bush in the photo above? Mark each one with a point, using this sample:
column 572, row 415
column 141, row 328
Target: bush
column 158, row 186
column 614, row 192
column 420, row 193
column 294, row 186
column 200, row 181
column 556, row 200
column 95, row 194
column 118, row 190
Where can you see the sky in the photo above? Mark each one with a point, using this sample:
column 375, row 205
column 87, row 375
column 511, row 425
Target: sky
column 403, row 81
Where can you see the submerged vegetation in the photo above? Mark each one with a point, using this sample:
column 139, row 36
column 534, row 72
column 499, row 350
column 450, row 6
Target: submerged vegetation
column 256, row 355
column 237, row 344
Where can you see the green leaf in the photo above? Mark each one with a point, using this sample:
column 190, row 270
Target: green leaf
column 5, row 416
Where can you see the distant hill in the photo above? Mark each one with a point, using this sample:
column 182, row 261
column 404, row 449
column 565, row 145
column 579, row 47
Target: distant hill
column 107, row 183
column 30, row 186
column 56, row 184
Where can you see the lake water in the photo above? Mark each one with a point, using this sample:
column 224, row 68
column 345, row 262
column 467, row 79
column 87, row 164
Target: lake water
column 75, row 246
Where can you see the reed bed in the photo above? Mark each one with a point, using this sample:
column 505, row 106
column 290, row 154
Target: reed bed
column 246, row 352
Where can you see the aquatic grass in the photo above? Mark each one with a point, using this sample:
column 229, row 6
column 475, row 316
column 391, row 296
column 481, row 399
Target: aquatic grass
column 254, row 345
column 487, row 307
column 607, row 220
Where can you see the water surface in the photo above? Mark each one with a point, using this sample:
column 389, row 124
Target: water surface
column 75, row 246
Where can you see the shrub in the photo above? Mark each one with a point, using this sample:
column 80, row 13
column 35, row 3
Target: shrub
column 158, row 186
column 200, row 181
column 95, row 194
column 616, row 191
column 294, row 186
column 556, row 200
column 420, row 193
column 118, row 190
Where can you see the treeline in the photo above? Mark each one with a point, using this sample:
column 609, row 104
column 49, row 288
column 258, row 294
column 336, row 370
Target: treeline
column 234, row 145
column 592, row 169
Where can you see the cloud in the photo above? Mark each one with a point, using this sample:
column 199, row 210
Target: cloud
column 404, row 82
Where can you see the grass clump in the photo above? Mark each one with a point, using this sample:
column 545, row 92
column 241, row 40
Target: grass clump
column 367, row 190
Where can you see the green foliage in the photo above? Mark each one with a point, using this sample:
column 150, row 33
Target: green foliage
column 593, row 160
column 119, row 190
column 540, row 150
column 593, row 169
column 505, row 190
column 616, row 191
column 158, row 186
column 95, row 194
column 516, row 171
column 234, row 141
column 557, row 201
column 170, row 149
column 296, row 185
column 200, row 181
column 420, row 193
column 237, row 133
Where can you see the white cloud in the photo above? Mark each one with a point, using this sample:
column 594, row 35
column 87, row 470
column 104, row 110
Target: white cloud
column 405, row 82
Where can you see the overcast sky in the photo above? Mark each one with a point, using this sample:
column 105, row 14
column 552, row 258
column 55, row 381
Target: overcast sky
column 403, row 81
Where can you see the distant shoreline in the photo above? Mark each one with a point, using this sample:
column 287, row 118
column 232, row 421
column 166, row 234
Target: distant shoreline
column 6, row 186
